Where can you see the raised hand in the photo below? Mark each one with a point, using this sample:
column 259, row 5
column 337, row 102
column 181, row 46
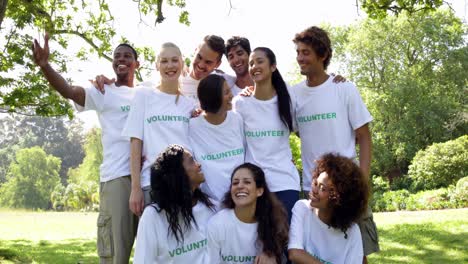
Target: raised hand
column 40, row 54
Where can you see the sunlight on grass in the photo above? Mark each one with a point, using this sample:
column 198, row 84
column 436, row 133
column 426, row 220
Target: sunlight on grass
column 405, row 237
column 47, row 226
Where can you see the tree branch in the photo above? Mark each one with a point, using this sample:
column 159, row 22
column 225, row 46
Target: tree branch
column 82, row 36
column 3, row 7
column 9, row 111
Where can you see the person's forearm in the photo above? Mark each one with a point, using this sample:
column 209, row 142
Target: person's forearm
column 135, row 162
column 299, row 256
column 61, row 85
column 364, row 141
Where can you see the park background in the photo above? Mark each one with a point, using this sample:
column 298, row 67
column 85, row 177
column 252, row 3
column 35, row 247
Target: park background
column 409, row 61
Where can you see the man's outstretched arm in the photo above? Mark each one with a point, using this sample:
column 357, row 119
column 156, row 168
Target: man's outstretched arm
column 41, row 58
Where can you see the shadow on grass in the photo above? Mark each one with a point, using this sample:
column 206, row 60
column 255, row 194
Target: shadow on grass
column 66, row 251
column 423, row 243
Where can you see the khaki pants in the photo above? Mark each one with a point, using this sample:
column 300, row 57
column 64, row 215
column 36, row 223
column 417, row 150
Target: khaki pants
column 117, row 225
column 370, row 238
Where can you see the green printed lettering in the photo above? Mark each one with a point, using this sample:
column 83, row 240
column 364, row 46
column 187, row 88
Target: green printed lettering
column 223, row 155
column 125, row 108
column 322, row 116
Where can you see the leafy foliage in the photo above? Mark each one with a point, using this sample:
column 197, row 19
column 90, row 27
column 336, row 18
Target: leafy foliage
column 380, row 8
column 460, row 193
column 295, row 144
column 31, row 179
column 56, row 136
column 22, row 88
column 440, row 165
column 411, row 71
column 89, row 169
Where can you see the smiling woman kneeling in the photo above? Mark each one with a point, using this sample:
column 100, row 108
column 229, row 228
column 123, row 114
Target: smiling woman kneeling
column 324, row 229
column 172, row 229
column 253, row 228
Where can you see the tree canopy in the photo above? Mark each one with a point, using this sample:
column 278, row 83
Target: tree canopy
column 23, row 90
column 411, row 70
column 56, row 136
column 381, row 8
column 31, row 178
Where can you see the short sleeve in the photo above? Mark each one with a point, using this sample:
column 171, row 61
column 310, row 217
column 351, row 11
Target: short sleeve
column 230, row 80
column 356, row 252
column 236, row 104
column 94, row 100
column 146, row 245
column 213, row 254
column 135, row 121
column 296, row 231
column 358, row 114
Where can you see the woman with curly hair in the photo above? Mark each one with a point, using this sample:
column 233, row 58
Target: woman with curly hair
column 253, row 228
column 324, row 229
column 172, row 228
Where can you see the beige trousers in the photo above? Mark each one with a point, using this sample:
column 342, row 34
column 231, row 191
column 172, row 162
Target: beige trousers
column 117, row 225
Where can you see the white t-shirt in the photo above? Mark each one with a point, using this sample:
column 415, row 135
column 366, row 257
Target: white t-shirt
column 267, row 140
column 327, row 117
column 158, row 121
column 156, row 244
column 219, row 149
column 189, row 86
column 112, row 109
column 309, row 233
column 230, row 240
column 231, row 82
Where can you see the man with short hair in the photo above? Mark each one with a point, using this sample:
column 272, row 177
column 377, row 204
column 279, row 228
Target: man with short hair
column 331, row 117
column 237, row 53
column 117, row 225
column 207, row 59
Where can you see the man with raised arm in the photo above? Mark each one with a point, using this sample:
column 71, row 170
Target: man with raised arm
column 117, row 225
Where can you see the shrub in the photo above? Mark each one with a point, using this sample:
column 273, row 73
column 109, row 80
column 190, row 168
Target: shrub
column 440, row 165
column 395, row 200
column 379, row 184
column 430, row 200
column 295, row 143
column 459, row 195
column 402, row 182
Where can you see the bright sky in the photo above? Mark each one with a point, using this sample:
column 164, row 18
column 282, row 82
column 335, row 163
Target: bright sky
column 264, row 22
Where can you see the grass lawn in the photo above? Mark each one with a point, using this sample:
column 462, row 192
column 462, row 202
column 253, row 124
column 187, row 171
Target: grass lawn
column 405, row 237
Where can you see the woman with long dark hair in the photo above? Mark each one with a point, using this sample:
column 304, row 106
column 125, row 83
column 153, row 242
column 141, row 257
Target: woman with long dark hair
column 324, row 228
column 268, row 122
column 253, row 228
column 217, row 136
column 172, row 228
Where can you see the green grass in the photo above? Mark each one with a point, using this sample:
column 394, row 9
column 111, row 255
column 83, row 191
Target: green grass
column 405, row 237
column 422, row 237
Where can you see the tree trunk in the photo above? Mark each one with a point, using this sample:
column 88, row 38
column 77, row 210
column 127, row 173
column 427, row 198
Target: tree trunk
column 3, row 6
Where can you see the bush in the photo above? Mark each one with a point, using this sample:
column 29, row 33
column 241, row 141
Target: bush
column 430, row 200
column 443, row 198
column 395, row 200
column 459, row 196
column 295, row 144
column 402, row 182
column 439, row 165
column 380, row 185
